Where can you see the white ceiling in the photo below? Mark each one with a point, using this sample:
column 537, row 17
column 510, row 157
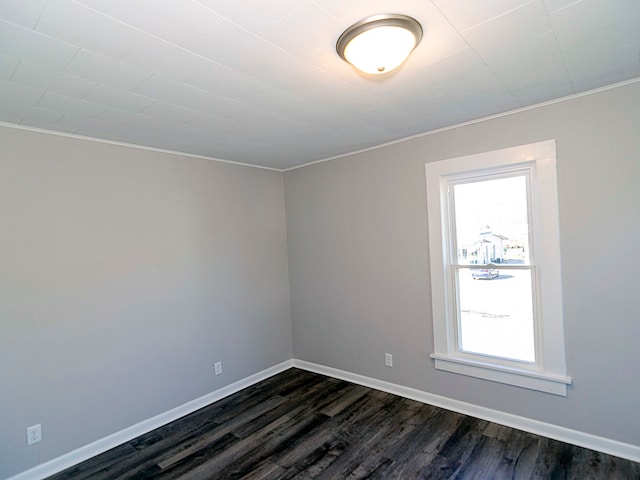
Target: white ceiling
column 259, row 82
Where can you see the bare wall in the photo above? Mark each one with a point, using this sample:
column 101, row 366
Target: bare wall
column 124, row 275
column 360, row 282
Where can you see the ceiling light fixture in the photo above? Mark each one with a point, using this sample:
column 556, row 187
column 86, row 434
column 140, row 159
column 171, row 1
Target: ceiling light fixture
column 380, row 43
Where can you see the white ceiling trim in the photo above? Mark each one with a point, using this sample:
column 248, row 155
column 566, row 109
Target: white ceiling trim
column 337, row 157
column 132, row 145
column 473, row 122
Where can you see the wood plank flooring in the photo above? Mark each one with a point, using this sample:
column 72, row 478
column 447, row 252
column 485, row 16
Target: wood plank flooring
column 301, row 425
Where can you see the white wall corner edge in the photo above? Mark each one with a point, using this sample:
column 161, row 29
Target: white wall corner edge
column 555, row 432
column 90, row 450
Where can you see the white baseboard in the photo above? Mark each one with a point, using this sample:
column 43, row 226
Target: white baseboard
column 118, row 438
column 601, row 444
column 563, row 434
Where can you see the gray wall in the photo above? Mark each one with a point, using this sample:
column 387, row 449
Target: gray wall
column 358, row 261
column 124, row 275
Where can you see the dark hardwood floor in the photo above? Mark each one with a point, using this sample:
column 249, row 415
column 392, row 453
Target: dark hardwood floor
column 301, row 425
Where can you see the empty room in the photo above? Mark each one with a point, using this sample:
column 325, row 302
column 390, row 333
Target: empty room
column 319, row 239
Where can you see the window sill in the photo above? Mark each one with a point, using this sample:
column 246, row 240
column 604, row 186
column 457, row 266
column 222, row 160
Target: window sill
column 543, row 382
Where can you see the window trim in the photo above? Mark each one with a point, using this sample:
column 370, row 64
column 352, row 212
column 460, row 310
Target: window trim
column 548, row 373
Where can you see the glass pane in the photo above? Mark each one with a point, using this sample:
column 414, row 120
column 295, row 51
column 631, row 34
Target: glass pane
column 491, row 221
column 496, row 313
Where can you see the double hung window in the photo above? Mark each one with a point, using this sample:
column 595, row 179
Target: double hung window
column 495, row 267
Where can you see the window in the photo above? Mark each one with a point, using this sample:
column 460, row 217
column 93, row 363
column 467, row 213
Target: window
column 495, row 267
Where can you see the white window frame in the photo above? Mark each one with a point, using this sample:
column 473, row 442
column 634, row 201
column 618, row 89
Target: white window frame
column 548, row 373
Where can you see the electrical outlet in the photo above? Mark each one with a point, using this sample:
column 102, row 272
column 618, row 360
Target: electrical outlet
column 34, row 434
column 388, row 360
column 218, row 368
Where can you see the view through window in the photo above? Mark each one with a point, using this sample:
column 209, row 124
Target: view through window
column 493, row 268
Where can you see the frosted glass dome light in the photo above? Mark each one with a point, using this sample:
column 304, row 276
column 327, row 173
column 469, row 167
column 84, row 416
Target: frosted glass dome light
column 378, row 44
